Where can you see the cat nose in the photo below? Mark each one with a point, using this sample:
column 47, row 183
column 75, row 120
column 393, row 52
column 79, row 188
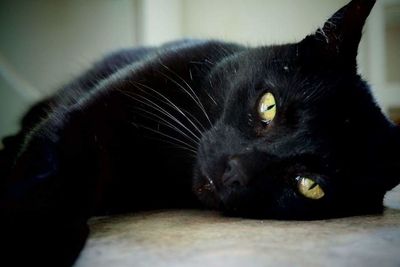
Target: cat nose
column 234, row 174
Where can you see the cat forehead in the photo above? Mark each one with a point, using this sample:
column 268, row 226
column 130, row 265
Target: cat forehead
column 249, row 69
column 267, row 58
column 277, row 68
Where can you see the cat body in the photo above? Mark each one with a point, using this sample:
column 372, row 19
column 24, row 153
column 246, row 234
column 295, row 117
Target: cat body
column 286, row 131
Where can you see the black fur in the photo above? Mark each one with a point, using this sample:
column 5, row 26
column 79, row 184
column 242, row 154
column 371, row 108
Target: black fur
column 106, row 143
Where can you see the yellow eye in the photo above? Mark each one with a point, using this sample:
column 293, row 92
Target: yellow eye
column 267, row 107
column 309, row 188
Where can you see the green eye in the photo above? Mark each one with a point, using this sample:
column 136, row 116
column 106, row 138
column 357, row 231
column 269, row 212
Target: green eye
column 309, row 188
column 267, row 107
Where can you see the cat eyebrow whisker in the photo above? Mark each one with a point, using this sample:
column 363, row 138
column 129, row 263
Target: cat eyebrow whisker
column 171, row 104
column 194, row 96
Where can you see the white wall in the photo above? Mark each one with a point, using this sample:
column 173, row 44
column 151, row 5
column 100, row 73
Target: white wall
column 46, row 43
column 160, row 21
column 256, row 22
column 375, row 65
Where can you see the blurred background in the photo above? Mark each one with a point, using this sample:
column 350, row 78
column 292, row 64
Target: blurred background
column 46, row 43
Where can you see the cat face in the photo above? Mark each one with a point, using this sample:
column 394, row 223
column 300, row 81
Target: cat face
column 299, row 134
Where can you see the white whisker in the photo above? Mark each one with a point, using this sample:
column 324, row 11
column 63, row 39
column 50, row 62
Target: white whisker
column 171, row 137
column 194, row 96
column 212, row 99
column 171, row 104
column 165, row 123
column 153, row 105
column 190, row 74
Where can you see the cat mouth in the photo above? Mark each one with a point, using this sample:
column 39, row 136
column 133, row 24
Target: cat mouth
column 208, row 186
column 207, row 192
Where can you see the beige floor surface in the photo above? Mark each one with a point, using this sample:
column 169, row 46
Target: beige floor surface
column 203, row 238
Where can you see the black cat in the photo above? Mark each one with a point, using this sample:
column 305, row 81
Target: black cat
column 287, row 131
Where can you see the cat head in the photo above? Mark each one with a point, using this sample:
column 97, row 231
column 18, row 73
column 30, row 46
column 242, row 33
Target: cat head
column 298, row 133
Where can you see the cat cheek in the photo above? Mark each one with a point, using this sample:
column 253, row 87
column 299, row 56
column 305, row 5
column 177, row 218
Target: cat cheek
column 263, row 128
column 259, row 131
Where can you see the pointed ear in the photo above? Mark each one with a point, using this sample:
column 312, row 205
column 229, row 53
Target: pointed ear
column 338, row 39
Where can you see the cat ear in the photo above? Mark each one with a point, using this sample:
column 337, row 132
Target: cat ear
column 338, row 39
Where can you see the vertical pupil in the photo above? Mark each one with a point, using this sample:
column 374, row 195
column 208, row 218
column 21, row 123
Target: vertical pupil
column 267, row 107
